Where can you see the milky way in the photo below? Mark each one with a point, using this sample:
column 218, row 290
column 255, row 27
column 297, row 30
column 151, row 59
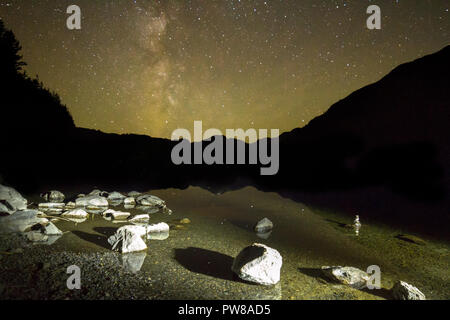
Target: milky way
column 150, row 67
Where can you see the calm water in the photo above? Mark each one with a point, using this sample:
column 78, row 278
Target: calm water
column 195, row 262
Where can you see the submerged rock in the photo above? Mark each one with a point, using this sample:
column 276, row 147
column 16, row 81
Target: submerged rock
column 263, row 226
column 116, row 215
column 351, row 276
column 148, row 210
column 21, row 221
column 76, row 214
column 11, row 200
column 128, row 239
column 185, row 221
column 258, row 263
column 92, row 201
column 53, row 196
column 405, row 291
column 411, row 238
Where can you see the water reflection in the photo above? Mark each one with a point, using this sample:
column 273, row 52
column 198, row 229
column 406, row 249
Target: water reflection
column 133, row 261
column 158, row 235
column 148, row 209
column 264, row 235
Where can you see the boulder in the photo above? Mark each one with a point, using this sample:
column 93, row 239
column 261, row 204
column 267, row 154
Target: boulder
column 405, row 291
column 263, row 226
column 21, row 221
column 258, row 263
column 11, row 200
column 116, row 215
column 351, row 276
column 128, row 239
column 149, row 200
column 130, row 201
column 92, row 201
column 116, row 196
column 75, row 213
column 51, row 230
column 53, row 196
column 157, row 228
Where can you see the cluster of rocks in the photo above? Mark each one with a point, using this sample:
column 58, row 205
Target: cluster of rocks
column 36, row 225
column 358, row 279
column 132, row 238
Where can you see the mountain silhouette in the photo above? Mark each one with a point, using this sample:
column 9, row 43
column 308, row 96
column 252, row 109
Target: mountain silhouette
column 391, row 136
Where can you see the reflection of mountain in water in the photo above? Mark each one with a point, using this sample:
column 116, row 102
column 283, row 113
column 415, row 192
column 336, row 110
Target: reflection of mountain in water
column 388, row 136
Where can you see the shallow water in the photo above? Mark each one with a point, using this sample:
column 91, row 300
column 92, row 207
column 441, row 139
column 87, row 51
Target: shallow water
column 195, row 262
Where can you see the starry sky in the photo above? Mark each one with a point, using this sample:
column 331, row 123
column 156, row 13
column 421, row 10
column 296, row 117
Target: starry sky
column 150, row 67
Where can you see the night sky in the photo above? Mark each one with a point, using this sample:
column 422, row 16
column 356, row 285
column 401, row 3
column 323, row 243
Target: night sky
column 150, row 67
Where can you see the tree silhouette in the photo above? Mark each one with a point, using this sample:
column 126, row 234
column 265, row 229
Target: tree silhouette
column 34, row 122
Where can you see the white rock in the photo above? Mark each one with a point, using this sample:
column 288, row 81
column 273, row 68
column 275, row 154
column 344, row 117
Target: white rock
column 134, row 194
column 130, row 201
column 53, row 196
column 264, row 225
column 347, row 275
column 116, row 196
column 405, row 291
column 258, row 263
column 149, row 200
column 36, row 236
column 140, row 218
column 98, row 193
column 11, row 200
column 51, row 230
column 116, row 215
column 128, row 239
column 159, row 227
column 76, row 214
column 92, row 201
column 21, row 221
